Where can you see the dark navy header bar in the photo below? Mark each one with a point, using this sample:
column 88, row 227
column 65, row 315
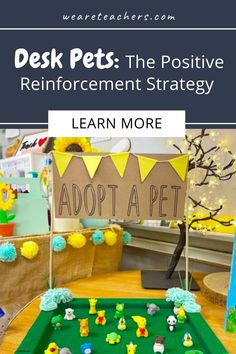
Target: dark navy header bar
column 133, row 55
column 148, row 70
column 121, row 14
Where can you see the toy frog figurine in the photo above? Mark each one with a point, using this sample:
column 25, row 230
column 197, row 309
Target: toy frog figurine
column 181, row 315
column 177, row 306
column 122, row 324
column 92, row 304
column 56, row 322
column 187, row 340
column 101, row 319
column 52, row 348
column 141, row 322
column 131, row 348
column 119, row 311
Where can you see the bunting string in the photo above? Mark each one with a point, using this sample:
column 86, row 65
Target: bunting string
column 120, row 161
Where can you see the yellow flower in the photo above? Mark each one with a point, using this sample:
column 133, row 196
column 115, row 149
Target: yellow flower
column 72, row 145
column 6, row 196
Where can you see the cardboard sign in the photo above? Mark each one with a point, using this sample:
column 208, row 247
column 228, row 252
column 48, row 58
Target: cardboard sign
column 122, row 186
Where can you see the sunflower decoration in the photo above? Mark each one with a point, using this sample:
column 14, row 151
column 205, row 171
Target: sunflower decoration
column 7, row 197
column 73, row 145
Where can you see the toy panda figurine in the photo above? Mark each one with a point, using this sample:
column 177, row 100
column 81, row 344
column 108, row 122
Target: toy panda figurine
column 171, row 321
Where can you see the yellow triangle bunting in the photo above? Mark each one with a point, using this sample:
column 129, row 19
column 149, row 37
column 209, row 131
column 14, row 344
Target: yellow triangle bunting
column 92, row 163
column 62, row 161
column 120, row 161
column 180, row 165
column 145, row 166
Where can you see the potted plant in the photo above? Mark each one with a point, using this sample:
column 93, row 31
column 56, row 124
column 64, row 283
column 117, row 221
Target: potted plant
column 7, row 198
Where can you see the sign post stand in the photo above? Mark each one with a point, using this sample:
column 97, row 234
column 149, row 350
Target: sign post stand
column 121, row 186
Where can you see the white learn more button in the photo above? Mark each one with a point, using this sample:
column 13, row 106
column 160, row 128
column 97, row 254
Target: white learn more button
column 95, row 124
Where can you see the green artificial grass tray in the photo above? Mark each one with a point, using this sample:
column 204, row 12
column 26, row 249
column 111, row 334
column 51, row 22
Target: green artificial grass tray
column 42, row 332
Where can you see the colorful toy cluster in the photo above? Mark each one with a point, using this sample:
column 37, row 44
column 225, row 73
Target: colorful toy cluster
column 177, row 318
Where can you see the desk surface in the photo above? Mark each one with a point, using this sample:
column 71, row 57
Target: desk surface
column 120, row 284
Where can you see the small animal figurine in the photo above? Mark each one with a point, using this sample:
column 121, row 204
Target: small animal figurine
column 181, row 315
column 52, row 348
column 101, row 319
column 86, row 348
column 92, row 304
column 171, row 322
column 113, row 338
column 56, row 322
column 84, row 327
column 69, row 314
column 159, row 345
column 152, row 309
column 121, row 324
column 187, row 340
column 142, row 323
column 65, row 351
column 177, row 306
column 119, row 311
column 131, row 348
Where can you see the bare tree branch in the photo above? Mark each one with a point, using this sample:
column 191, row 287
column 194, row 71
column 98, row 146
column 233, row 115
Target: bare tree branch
column 204, row 160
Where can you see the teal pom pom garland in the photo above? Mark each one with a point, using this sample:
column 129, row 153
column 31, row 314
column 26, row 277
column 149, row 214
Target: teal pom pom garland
column 127, row 238
column 58, row 243
column 97, row 237
column 7, row 252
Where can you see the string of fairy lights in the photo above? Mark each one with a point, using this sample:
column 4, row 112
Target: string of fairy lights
column 207, row 192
